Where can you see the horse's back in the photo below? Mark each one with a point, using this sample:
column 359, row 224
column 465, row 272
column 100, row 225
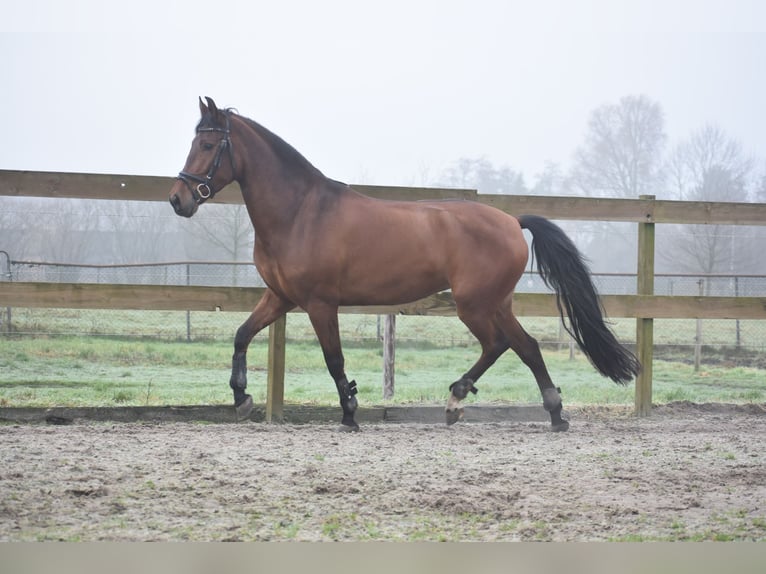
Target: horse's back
column 357, row 250
column 473, row 247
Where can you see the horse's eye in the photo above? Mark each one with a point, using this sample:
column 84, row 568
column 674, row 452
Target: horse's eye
column 207, row 146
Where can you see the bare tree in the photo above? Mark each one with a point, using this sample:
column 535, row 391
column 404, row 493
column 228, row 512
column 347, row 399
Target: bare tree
column 692, row 161
column 709, row 166
column 139, row 232
column 222, row 232
column 622, row 154
column 710, row 248
column 16, row 228
column 551, row 181
column 621, row 157
column 759, row 193
column 481, row 174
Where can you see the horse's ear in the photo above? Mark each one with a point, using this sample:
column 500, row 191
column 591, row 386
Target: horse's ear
column 211, row 107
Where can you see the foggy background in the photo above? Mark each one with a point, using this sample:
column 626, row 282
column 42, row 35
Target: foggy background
column 592, row 98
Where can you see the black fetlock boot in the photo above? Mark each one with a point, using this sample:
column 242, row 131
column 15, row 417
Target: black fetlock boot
column 347, row 393
column 552, row 404
column 243, row 403
column 460, row 388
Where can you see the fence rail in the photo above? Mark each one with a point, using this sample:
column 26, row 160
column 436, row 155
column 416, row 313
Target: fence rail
column 206, row 298
column 244, row 273
column 645, row 210
column 644, row 306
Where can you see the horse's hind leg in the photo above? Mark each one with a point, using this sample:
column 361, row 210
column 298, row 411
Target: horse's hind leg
column 493, row 344
column 268, row 309
column 324, row 319
column 528, row 350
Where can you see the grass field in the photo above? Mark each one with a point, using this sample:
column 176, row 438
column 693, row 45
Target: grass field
column 433, row 331
column 60, row 357
column 111, row 371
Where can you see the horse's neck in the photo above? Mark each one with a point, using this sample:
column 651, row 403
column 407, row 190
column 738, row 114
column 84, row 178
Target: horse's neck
column 275, row 181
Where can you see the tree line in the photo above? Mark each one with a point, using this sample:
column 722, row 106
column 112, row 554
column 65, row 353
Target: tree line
column 625, row 155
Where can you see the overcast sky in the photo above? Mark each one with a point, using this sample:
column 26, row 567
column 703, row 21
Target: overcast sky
column 387, row 92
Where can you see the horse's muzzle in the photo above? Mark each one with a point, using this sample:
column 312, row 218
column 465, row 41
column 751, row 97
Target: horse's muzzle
column 187, row 210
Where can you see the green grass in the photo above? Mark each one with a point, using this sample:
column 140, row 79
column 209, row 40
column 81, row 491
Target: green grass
column 733, row 525
column 428, row 331
column 108, row 371
column 107, row 357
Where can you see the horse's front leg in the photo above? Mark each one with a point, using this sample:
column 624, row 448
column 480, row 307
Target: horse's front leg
column 269, row 308
column 324, row 319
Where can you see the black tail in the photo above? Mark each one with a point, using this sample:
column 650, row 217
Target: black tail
column 563, row 269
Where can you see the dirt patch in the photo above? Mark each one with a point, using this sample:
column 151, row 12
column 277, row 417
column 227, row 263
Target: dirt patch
column 687, row 472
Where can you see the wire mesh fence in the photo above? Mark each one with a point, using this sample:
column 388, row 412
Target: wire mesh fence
column 200, row 273
column 739, row 341
column 219, row 273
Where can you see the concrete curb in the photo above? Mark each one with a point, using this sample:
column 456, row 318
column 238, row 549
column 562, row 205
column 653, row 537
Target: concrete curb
column 293, row 414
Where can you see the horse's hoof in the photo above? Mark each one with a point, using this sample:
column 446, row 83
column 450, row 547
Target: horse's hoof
column 244, row 408
column 348, row 428
column 454, row 416
column 563, row 426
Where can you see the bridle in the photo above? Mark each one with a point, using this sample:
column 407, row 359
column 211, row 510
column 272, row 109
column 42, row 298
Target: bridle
column 203, row 190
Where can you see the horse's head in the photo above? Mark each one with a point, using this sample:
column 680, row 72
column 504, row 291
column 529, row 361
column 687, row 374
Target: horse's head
column 205, row 172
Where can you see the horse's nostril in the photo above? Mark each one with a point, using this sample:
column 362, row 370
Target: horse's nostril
column 175, row 201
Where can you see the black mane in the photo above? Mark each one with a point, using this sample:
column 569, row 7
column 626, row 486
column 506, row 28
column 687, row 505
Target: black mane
column 290, row 157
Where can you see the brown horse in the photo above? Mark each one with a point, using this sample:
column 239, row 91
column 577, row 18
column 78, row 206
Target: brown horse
column 320, row 245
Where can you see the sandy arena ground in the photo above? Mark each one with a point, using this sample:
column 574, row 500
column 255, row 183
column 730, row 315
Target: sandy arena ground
column 687, row 472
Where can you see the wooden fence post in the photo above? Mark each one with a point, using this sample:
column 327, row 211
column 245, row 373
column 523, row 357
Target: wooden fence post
column 698, row 334
column 389, row 356
column 645, row 326
column 188, row 312
column 275, row 385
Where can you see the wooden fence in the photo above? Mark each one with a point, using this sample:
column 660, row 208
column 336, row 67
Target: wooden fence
column 645, row 211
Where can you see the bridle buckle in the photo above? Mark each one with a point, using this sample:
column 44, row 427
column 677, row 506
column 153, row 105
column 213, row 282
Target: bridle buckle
column 207, row 193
